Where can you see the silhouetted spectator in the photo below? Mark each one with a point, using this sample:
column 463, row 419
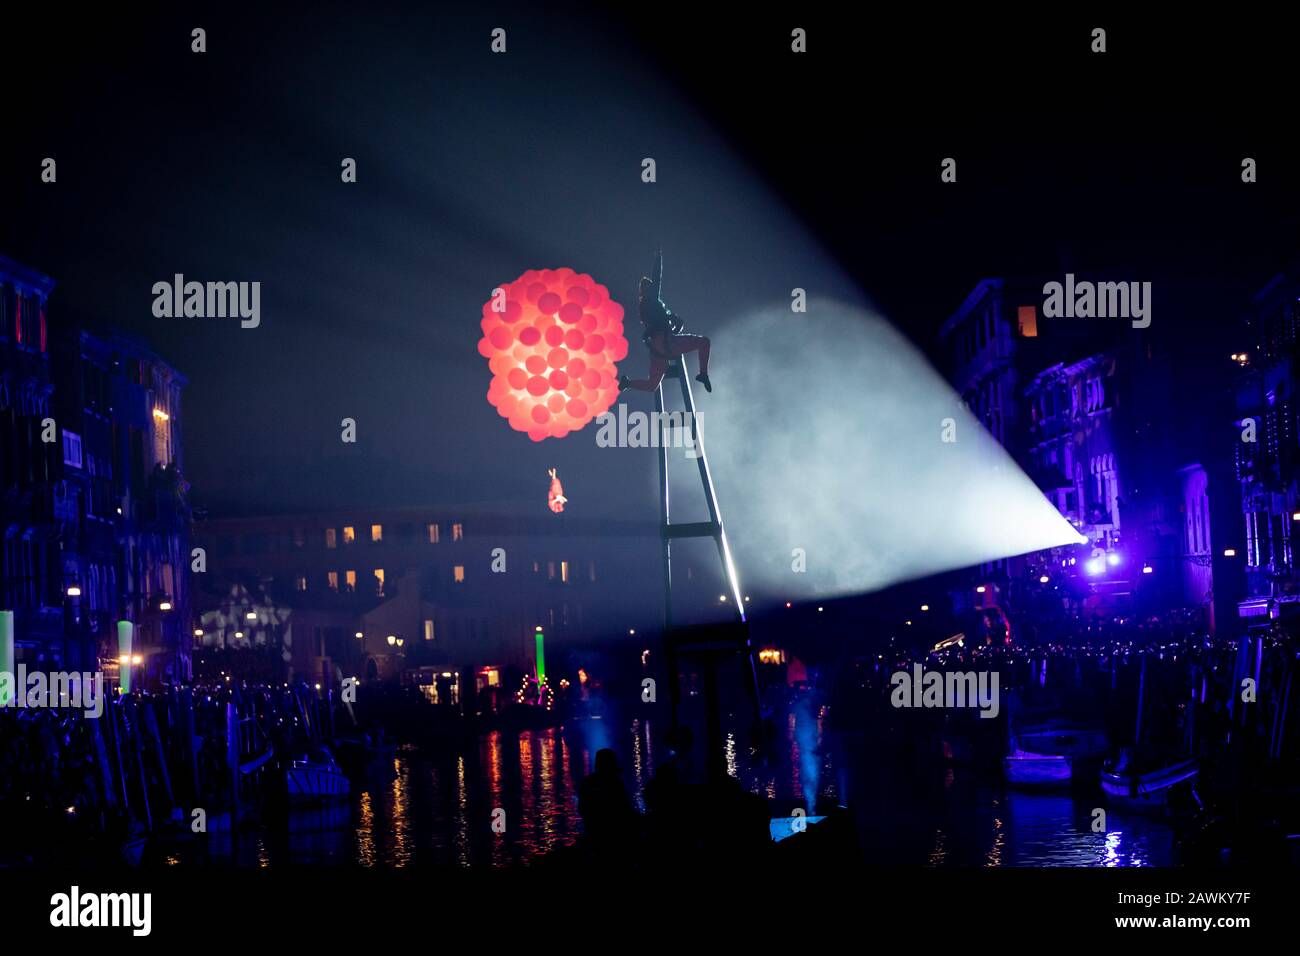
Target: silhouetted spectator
column 608, row 819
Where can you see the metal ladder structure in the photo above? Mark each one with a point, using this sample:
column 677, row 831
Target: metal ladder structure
column 715, row 644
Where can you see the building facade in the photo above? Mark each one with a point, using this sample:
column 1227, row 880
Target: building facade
column 382, row 593
column 31, row 509
column 1088, row 410
column 92, row 503
column 1268, row 454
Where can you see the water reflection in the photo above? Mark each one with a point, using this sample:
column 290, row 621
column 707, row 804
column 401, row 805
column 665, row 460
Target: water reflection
column 438, row 809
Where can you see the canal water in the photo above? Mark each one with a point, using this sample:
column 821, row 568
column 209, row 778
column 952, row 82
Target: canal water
column 438, row 809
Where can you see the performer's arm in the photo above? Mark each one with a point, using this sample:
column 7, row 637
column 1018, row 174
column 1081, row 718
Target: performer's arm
column 657, row 277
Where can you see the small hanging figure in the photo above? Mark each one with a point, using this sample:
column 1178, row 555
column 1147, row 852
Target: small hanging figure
column 555, row 499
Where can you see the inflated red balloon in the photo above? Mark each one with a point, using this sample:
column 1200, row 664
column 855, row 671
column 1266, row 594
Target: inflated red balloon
column 551, row 339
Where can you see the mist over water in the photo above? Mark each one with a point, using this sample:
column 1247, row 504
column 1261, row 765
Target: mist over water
column 825, row 432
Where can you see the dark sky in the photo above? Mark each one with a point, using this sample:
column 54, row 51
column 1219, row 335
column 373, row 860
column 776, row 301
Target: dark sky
column 775, row 171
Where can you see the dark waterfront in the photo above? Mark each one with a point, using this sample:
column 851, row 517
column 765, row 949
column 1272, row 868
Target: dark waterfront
column 436, row 810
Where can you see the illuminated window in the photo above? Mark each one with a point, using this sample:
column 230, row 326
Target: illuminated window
column 332, row 579
column 349, row 535
column 428, row 628
column 350, row 580
column 162, row 437
column 550, row 570
column 1027, row 316
column 591, row 570
column 72, row 449
column 376, row 533
column 301, row 582
column 379, row 581
column 433, row 533
column 457, row 532
column 331, row 538
column 564, row 571
column 458, row 574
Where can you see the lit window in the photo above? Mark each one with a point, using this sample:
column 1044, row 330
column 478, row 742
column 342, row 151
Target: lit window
column 376, row 533
column 458, row 574
column 379, row 581
column 428, row 628
column 550, row 570
column 72, row 449
column 564, row 571
column 350, row 580
column 433, row 533
column 332, row 578
column 1027, row 316
column 457, row 532
column 301, row 582
column 349, row 535
column 331, row 538
column 591, row 570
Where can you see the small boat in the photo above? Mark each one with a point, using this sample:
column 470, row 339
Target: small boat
column 1059, row 737
column 1142, row 791
column 1047, row 754
column 316, row 777
column 1145, row 791
column 1041, row 771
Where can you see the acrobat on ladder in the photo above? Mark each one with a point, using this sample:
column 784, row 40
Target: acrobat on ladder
column 665, row 336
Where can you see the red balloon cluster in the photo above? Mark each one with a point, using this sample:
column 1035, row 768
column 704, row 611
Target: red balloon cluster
column 551, row 339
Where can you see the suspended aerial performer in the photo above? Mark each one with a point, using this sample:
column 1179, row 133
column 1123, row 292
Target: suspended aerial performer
column 664, row 335
column 555, row 499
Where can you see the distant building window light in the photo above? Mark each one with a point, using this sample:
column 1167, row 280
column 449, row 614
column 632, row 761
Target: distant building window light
column 376, row 533
column 331, row 538
column 457, row 531
column 350, row 580
column 332, row 579
column 1027, row 316
column 591, row 570
column 550, row 570
column 458, row 574
column 428, row 628
column 301, row 583
column 349, row 535
column 564, row 571
column 299, row 539
column 379, row 581
column 433, row 533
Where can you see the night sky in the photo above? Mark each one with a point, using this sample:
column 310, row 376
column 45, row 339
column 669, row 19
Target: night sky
column 775, row 171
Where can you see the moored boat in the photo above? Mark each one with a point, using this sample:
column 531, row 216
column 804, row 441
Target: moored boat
column 316, row 777
column 1145, row 791
column 1027, row 769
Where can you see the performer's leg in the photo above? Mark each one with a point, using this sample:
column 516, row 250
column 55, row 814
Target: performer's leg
column 681, row 344
column 658, row 366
